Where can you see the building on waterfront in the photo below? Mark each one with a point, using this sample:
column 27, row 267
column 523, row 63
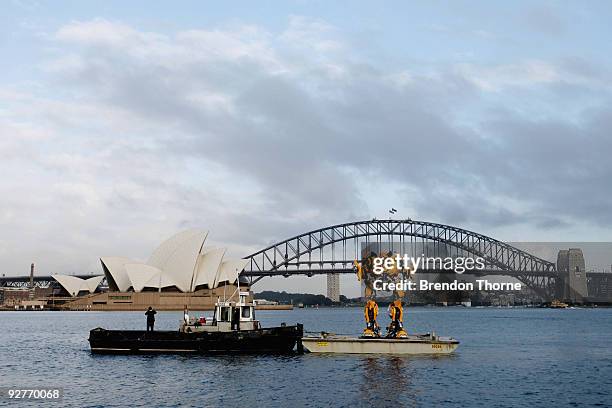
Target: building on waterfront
column 181, row 271
column 16, row 297
column 333, row 286
column 180, row 264
column 13, row 296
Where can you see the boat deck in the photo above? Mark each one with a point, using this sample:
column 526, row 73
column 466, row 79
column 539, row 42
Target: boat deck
column 413, row 344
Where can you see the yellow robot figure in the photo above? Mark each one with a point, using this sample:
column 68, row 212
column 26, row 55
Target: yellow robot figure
column 396, row 327
column 365, row 274
column 371, row 312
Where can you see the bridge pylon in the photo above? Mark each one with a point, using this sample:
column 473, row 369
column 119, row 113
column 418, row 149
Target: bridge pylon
column 571, row 283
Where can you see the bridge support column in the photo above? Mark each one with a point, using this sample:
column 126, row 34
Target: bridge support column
column 572, row 282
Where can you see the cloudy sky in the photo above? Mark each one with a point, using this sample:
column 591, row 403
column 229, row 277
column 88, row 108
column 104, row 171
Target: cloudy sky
column 121, row 124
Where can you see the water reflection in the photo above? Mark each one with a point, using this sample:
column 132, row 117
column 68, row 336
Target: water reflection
column 387, row 381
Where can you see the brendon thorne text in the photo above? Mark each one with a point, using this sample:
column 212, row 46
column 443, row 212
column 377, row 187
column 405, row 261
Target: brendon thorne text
column 423, row 285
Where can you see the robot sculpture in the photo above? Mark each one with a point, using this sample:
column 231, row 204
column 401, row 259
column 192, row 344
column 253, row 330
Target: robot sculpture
column 366, row 275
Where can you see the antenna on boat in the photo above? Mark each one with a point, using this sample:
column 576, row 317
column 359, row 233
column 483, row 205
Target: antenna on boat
column 238, row 288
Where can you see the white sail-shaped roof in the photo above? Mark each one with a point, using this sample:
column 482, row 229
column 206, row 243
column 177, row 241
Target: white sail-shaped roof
column 163, row 254
column 180, row 261
column 166, row 281
column 74, row 285
column 92, row 283
column 208, row 266
column 116, row 267
column 230, row 269
column 142, row 275
column 177, row 257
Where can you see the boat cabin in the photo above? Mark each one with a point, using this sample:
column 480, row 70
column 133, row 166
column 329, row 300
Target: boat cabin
column 228, row 316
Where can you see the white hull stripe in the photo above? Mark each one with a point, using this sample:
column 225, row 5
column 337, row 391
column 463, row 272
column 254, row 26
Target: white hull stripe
column 141, row 349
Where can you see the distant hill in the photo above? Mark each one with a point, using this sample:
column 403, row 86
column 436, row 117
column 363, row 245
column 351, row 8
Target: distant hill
column 307, row 299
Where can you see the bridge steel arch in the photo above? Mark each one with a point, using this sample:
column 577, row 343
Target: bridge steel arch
column 332, row 250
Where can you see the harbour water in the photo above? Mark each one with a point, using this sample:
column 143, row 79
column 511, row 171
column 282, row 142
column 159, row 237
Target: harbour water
column 507, row 357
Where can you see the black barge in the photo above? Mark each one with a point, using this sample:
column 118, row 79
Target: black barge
column 233, row 329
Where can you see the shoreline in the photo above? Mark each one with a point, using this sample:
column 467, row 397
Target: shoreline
column 290, row 307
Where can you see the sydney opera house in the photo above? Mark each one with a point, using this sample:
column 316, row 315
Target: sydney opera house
column 181, row 271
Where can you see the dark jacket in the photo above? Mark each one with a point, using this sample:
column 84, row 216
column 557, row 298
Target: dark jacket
column 150, row 315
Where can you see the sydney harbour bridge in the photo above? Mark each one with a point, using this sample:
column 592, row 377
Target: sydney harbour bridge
column 333, row 249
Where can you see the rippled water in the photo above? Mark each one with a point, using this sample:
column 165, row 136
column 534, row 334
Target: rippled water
column 508, row 357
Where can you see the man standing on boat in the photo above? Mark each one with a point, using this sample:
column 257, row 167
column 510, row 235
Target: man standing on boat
column 150, row 313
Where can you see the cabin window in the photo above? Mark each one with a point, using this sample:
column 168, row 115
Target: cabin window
column 246, row 312
column 225, row 314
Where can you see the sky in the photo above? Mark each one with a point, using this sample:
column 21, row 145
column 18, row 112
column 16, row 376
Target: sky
column 122, row 123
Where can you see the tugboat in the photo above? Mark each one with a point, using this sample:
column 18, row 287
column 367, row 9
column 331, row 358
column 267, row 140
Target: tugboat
column 233, row 329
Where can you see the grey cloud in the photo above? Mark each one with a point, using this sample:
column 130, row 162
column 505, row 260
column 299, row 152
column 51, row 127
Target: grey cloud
column 288, row 134
column 257, row 145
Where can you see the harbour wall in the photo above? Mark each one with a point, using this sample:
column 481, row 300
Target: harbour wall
column 125, row 301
